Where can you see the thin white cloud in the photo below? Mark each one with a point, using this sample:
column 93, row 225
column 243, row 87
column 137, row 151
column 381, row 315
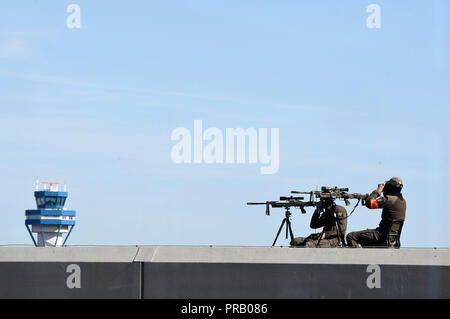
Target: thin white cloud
column 23, row 43
column 79, row 137
column 13, row 49
column 62, row 80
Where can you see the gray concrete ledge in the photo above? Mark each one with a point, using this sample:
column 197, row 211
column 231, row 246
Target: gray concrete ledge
column 206, row 254
column 68, row 254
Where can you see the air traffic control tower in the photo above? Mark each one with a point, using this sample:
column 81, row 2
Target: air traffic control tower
column 50, row 220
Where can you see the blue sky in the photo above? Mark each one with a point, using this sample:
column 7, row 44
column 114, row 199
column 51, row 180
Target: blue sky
column 96, row 106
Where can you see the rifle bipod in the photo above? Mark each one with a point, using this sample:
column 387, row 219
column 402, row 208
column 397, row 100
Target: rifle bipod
column 286, row 221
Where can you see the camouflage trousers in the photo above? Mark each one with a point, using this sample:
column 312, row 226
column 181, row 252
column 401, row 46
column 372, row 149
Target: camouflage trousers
column 311, row 242
column 366, row 238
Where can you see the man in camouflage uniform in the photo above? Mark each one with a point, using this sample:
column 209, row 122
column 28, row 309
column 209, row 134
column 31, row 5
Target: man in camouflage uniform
column 394, row 209
column 330, row 237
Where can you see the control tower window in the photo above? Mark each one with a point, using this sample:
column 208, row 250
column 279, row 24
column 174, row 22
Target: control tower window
column 51, row 200
column 40, row 201
column 60, row 201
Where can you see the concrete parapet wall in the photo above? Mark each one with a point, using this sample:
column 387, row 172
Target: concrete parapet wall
column 279, row 255
column 214, row 254
column 223, row 272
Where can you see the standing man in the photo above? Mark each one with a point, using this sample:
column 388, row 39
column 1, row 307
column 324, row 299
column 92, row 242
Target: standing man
column 328, row 220
column 393, row 214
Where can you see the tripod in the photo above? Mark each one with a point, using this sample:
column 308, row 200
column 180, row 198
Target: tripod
column 287, row 221
column 340, row 235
